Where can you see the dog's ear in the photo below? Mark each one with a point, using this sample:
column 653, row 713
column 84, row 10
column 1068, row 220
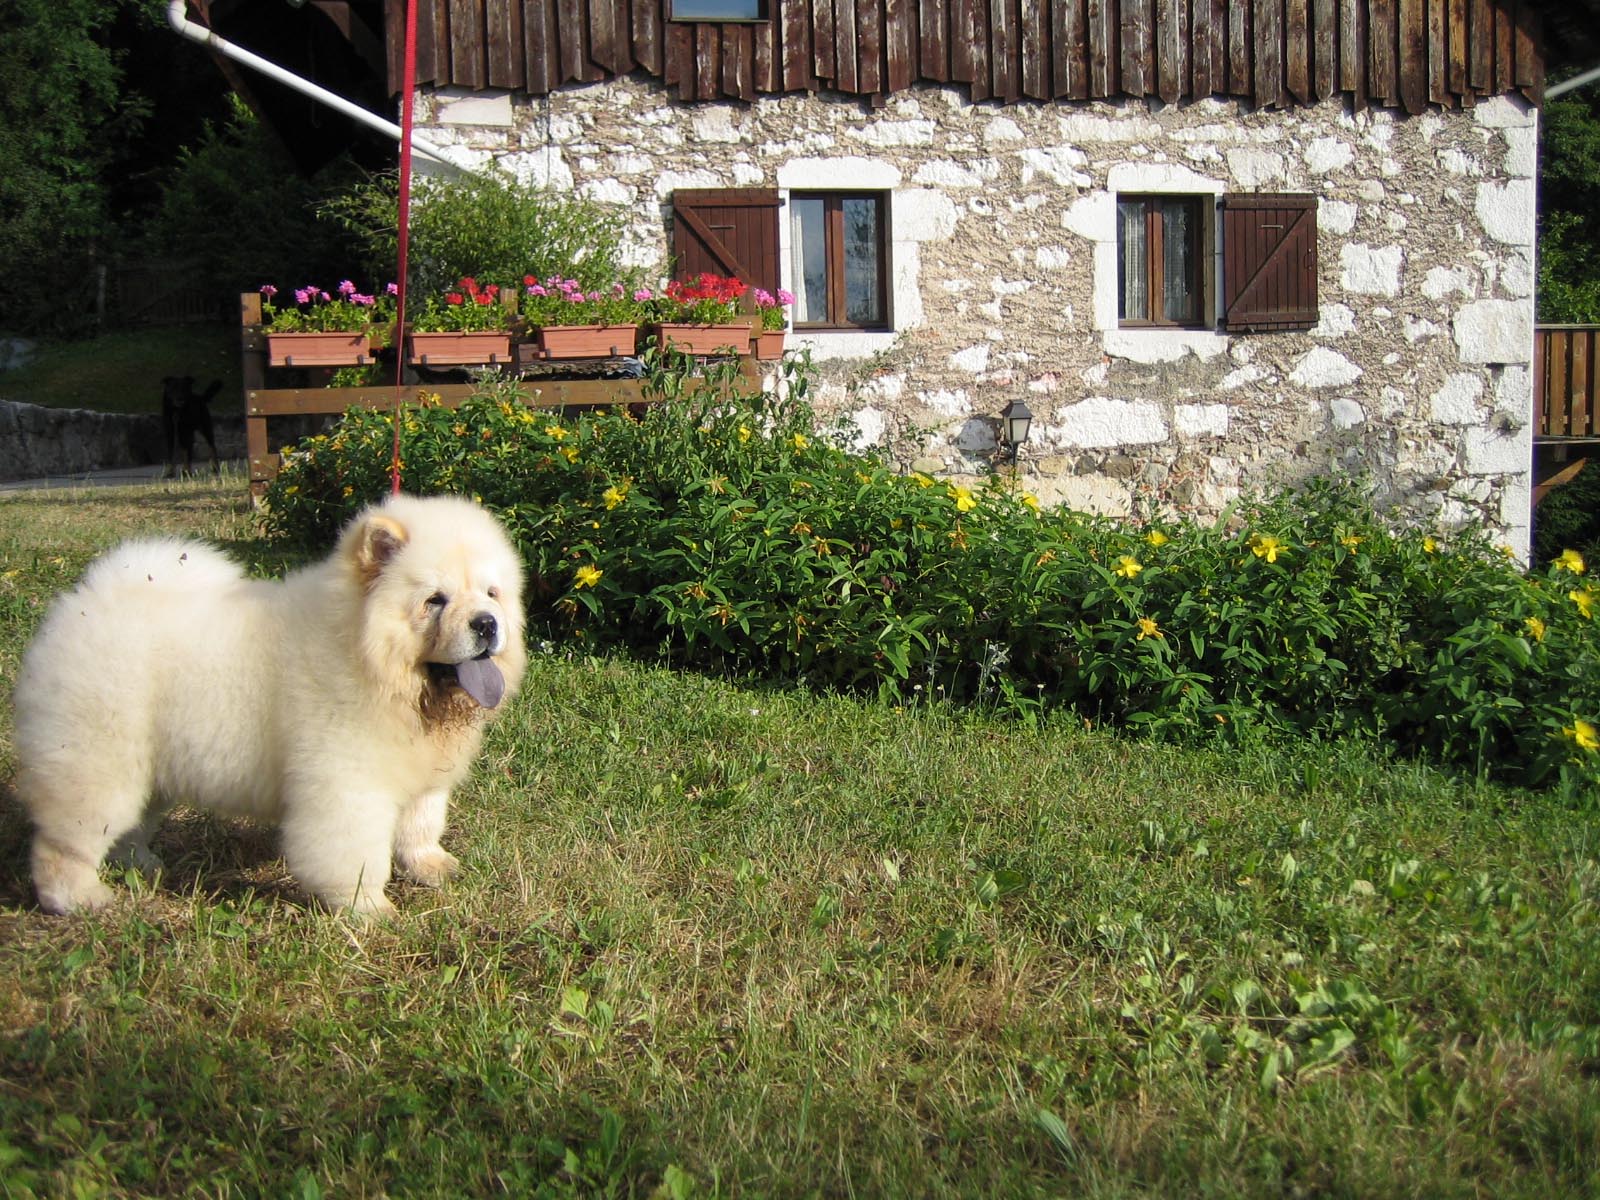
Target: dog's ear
column 377, row 540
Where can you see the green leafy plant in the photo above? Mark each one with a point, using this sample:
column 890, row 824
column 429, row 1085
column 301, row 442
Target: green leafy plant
column 721, row 531
column 771, row 308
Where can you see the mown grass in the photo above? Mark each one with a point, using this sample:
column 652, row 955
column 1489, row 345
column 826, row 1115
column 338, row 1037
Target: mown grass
column 121, row 371
column 719, row 941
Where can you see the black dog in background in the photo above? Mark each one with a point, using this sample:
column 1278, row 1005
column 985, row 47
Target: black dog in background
column 184, row 413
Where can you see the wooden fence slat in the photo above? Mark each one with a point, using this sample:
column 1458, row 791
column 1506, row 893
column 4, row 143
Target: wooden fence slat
column 979, row 14
column 1480, row 50
column 1170, row 60
column 1413, row 54
column 1324, row 48
column 1580, row 383
column 847, row 77
column 796, row 44
column 649, row 42
column 766, row 78
column 1297, row 49
column 1503, row 53
column 1438, row 47
column 1526, row 72
column 824, row 60
column 502, row 21
column 1137, row 79
column 738, row 61
column 899, row 44
column 707, row 61
column 963, row 68
column 1556, row 386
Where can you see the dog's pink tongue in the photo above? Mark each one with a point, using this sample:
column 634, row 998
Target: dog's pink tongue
column 481, row 679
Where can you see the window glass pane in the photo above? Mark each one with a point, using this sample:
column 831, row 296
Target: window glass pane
column 716, row 10
column 1132, row 272
column 809, row 268
column 863, row 294
column 1178, row 266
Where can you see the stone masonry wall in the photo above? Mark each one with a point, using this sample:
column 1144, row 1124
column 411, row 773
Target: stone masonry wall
column 1004, row 261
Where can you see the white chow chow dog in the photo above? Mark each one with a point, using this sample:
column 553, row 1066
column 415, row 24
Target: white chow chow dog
column 342, row 702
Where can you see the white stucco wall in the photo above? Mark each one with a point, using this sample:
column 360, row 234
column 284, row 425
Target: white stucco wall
column 1004, row 275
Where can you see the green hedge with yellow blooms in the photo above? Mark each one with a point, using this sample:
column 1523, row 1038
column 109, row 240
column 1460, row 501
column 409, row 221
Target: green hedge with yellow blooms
column 730, row 535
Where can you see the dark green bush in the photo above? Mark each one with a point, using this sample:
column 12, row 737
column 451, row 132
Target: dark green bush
column 727, row 533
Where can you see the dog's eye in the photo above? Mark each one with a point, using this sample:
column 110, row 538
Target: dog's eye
column 494, row 593
column 437, row 600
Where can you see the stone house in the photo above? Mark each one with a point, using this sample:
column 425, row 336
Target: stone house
column 1212, row 244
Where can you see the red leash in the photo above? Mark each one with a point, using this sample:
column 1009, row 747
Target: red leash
column 408, row 89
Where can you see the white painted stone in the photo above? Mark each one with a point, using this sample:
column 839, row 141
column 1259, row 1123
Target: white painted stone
column 1513, row 394
column 1093, row 217
column 1057, row 163
column 886, row 135
column 629, row 164
column 924, row 215
column 607, row 191
column 887, row 387
column 949, row 402
column 1085, row 127
column 1517, row 273
column 1516, row 512
column 715, row 124
column 1099, row 422
column 1473, row 491
column 1241, row 377
column 1443, row 281
column 1334, row 321
column 977, row 173
column 1456, row 403
column 1458, row 162
column 1200, row 420
column 1392, row 403
column 1052, row 258
column 870, row 425
column 1345, row 413
column 490, row 111
column 1002, row 129
column 1328, row 154
column 1321, row 367
column 1368, row 271
column 1159, row 177
column 1506, row 211
column 973, row 360
column 1087, row 493
column 747, row 174
column 1253, row 168
column 670, row 181
column 976, row 436
column 546, row 169
column 1371, row 190
column 1522, row 151
column 1417, row 329
column 1502, row 112
column 1162, row 345
column 846, row 173
column 1494, row 452
column 1494, row 331
column 1336, row 216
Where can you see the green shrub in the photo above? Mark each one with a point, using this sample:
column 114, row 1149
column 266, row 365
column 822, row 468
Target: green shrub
column 1569, row 518
column 721, row 530
column 489, row 226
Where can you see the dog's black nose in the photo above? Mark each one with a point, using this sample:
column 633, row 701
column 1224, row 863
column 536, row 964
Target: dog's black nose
column 485, row 626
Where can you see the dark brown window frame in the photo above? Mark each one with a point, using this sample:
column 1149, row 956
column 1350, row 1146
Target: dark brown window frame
column 833, row 237
column 1203, row 204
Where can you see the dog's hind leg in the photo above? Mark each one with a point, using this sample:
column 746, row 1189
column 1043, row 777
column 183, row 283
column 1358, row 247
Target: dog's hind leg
column 71, row 841
column 416, row 840
column 132, row 849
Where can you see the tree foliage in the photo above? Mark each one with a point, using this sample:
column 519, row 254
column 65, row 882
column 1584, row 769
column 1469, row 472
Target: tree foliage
column 1569, row 216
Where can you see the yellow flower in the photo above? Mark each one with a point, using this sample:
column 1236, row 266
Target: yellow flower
column 1582, row 734
column 1127, row 566
column 1264, row 545
column 614, row 495
column 1030, row 501
column 1570, row 560
column 290, row 490
column 820, row 545
column 921, row 479
column 1429, row 545
column 1156, row 538
column 800, row 441
column 1047, row 557
column 963, row 499
column 897, row 523
column 800, row 528
column 744, row 434
column 718, row 484
column 1147, row 628
column 863, row 478
column 1584, row 600
column 459, row 430
column 349, row 491
column 958, row 538
column 555, row 431
column 1350, row 541
column 588, row 575
column 1534, row 626
column 695, row 591
column 570, row 453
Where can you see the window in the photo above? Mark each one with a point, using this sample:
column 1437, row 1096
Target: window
column 717, row 10
column 1269, row 262
column 839, row 265
column 1160, row 261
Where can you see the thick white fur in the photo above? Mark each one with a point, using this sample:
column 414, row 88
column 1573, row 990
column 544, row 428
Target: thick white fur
column 168, row 677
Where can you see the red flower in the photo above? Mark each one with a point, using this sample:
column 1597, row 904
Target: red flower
column 454, row 298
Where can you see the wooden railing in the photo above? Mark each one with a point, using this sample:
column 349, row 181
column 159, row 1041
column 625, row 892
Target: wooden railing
column 1566, row 382
column 262, row 403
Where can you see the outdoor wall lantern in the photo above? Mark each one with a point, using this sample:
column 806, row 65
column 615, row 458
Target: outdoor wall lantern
column 1015, row 422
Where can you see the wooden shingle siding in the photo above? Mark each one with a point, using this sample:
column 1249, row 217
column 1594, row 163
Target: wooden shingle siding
column 1395, row 53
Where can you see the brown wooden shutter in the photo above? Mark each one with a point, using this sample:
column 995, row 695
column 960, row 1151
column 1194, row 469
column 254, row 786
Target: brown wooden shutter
column 1269, row 262
column 727, row 231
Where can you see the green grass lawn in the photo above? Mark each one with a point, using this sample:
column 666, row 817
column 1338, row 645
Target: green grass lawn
column 715, row 940
column 122, row 371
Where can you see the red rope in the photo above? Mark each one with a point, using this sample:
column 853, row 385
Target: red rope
column 408, row 90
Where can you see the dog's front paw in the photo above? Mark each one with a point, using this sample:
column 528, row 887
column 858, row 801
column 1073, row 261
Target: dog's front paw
column 430, row 866
column 370, row 906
